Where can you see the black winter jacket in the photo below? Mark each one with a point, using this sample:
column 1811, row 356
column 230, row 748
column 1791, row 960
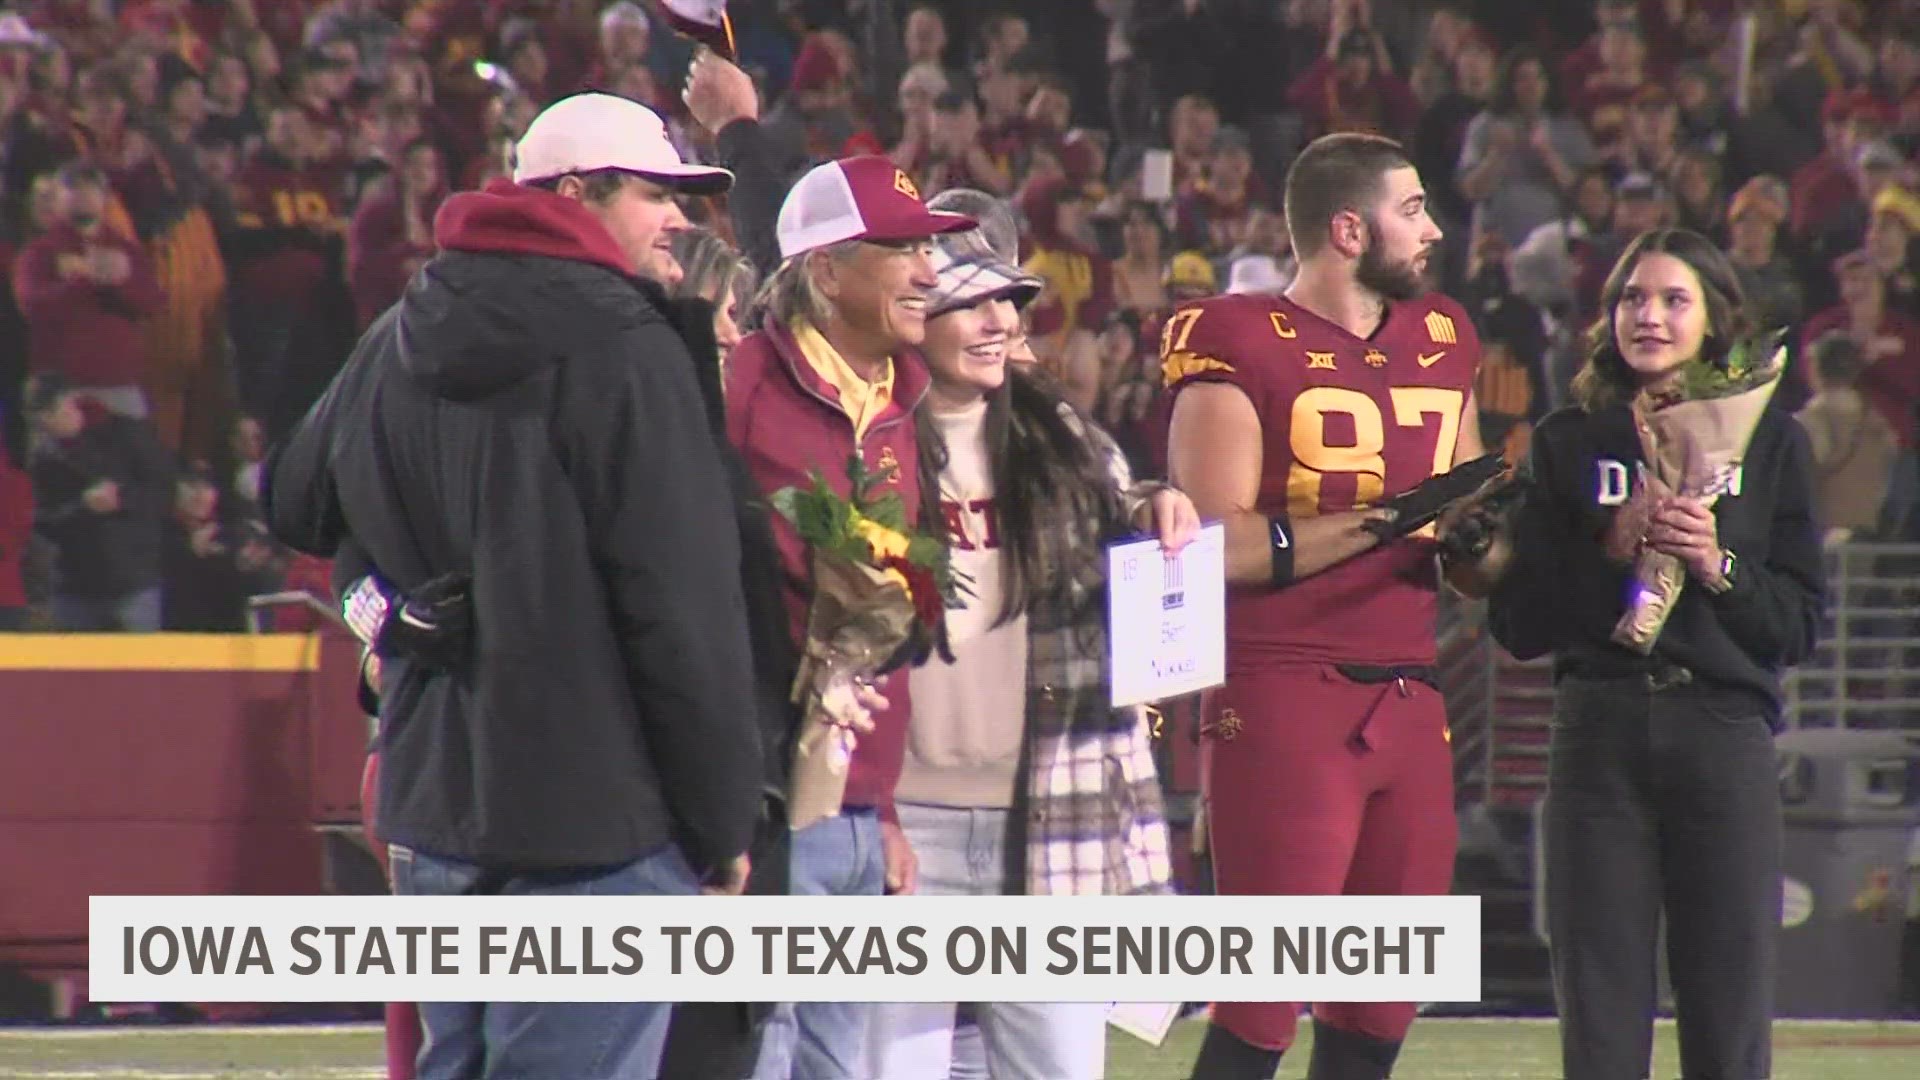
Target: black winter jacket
column 533, row 419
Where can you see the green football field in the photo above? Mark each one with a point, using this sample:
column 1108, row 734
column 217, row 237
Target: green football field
column 1440, row 1050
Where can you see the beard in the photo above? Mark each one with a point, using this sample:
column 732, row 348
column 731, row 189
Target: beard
column 1401, row 280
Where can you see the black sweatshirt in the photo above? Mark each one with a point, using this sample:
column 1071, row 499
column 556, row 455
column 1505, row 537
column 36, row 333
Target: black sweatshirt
column 1563, row 596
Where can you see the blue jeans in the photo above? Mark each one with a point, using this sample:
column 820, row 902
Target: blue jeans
column 137, row 613
column 542, row 1040
column 963, row 852
column 826, row 1040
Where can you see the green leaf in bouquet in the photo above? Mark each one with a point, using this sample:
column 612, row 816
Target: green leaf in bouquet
column 786, row 502
column 1753, row 361
column 861, row 480
column 888, row 510
column 926, row 551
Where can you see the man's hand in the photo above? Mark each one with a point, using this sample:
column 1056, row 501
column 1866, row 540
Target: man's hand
column 732, row 880
column 718, row 92
column 903, row 868
column 103, row 497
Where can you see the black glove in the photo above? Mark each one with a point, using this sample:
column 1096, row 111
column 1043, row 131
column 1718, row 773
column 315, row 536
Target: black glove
column 433, row 625
column 1417, row 508
column 1470, row 536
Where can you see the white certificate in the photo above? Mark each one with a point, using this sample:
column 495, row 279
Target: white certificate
column 1167, row 617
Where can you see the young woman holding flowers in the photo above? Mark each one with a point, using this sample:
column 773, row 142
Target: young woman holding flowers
column 1020, row 777
column 1671, row 585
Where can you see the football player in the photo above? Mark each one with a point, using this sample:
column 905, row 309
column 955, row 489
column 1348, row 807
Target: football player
column 1326, row 763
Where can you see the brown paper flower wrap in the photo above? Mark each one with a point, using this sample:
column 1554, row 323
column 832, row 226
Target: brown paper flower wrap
column 879, row 592
column 1694, row 433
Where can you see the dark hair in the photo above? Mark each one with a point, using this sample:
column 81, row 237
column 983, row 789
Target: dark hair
column 1839, row 360
column 1606, row 379
column 80, row 173
column 44, row 391
column 952, row 100
column 1337, row 172
column 1504, row 102
column 1045, row 470
column 598, row 186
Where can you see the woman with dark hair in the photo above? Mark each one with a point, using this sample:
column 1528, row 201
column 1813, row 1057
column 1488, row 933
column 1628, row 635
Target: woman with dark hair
column 1662, row 795
column 997, row 794
column 1520, row 158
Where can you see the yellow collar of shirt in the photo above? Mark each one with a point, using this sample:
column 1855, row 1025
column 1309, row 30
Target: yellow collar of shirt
column 861, row 399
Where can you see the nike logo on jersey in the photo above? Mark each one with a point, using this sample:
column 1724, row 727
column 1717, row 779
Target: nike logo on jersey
column 1430, row 359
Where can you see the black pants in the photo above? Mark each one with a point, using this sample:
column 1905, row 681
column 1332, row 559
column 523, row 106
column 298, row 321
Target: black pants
column 1662, row 799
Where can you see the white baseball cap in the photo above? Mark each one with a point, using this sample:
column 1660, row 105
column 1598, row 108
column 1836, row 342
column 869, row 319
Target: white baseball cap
column 858, row 198
column 589, row 132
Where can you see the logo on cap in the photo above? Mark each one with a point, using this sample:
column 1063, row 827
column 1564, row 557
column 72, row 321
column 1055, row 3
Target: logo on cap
column 903, row 184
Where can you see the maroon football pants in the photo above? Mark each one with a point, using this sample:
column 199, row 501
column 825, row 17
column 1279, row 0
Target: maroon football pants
column 1320, row 786
column 404, row 1035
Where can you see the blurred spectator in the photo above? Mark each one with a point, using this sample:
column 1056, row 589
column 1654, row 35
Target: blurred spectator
column 361, row 23
column 955, row 155
column 1553, row 265
column 1213, row 215
column 1353, row 87
column 1602, row 100
column 1890, row 234
column 1586, row 61
column 1706, row 118
column 1521, row 153
column 1699, row 202
column 1888, row 341
column 217, row 555
column 1139, row 273
column 1853, row 446
column 1826, row 186
column 16, row 533
column 284, row 257
column 1191, row 129
column 1767, row 276
column 229, row 100
column 1060, row 251
column 1648, row 139
column 392, row 232
column 920, row 88
column 925, row 36
column 1511, row 389
column 101, row 489
column 1442, row 128
column 86, row 291
column 816, row 120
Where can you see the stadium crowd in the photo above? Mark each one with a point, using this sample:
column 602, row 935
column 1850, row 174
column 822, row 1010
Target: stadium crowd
column 202, row 202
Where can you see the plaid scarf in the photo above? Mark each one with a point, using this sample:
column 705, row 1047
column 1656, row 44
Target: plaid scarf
column 1092, row 809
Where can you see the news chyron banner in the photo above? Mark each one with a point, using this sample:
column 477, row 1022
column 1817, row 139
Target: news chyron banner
column 787, row 948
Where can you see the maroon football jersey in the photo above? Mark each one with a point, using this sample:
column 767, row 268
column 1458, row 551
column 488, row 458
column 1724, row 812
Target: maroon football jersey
column 1346, row 422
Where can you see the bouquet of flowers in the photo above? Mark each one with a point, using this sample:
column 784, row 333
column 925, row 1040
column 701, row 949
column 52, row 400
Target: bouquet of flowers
column 1694, row 431
column 879, row 593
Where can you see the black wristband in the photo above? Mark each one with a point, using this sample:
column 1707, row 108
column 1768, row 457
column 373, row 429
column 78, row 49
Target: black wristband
column 1280, row 547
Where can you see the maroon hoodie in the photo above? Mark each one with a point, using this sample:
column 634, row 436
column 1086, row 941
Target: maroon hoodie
column 92, row 334
column 512, row 218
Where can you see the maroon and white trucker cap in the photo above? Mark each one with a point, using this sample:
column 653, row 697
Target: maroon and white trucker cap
column 858, row 198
